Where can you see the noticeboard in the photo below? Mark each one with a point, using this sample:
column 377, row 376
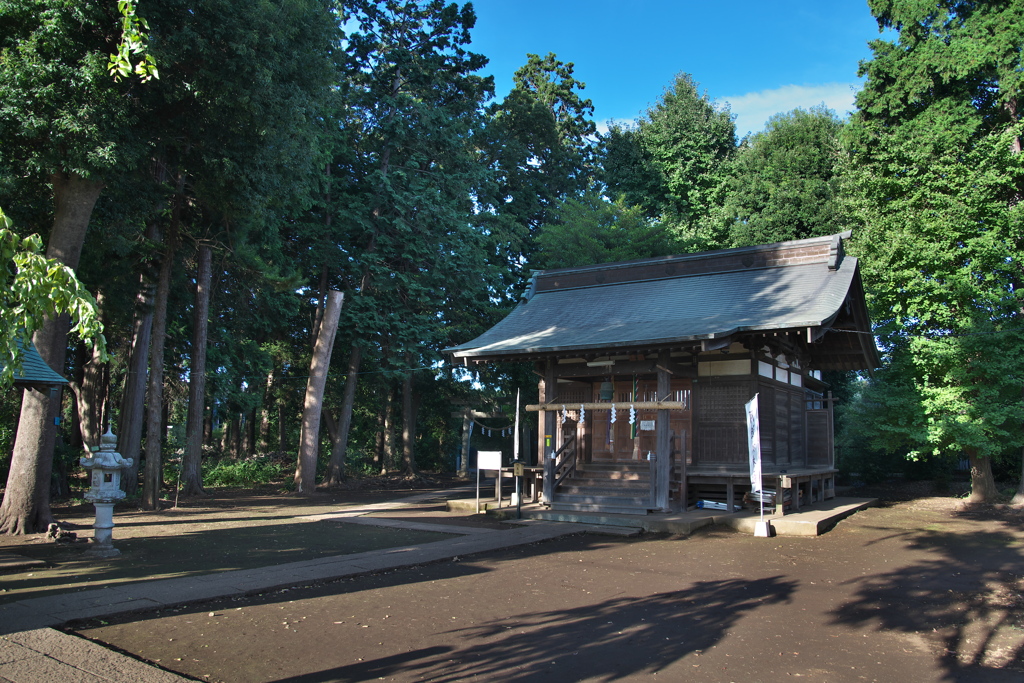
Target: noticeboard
column 488, row 460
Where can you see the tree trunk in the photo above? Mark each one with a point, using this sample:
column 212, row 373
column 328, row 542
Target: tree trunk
column 191, row 462
column 268, row 400
column 225, row 436
column 133, row 400
column 249, row 434
column 26, row 504
column 321, row 306
column 1018, row 498
column 236, row 436
column 282, row 433
column 333, row 435
column 983, row 484
column 408, row 426
column 339, row 449
column 389, row 432
column 89, row 395
column 467, row 424
column 378, row 443
column 155, row 392
column 309, row 438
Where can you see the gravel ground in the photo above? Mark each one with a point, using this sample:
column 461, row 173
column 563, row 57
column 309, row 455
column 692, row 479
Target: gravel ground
column 918, row 590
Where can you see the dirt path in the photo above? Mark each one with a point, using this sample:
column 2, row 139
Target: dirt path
column 912, row 592
column 221, row 532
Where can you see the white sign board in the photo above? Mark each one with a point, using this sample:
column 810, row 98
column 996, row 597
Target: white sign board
column 646, row 425
column 488, row 460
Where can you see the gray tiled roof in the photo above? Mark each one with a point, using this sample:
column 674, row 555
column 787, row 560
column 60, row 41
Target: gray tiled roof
column 698, row 303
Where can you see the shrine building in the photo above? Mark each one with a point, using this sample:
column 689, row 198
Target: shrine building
column 646, row 365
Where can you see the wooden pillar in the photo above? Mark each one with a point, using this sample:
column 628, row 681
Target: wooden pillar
column 831, row 436
column 547, row 428
column 663, row 435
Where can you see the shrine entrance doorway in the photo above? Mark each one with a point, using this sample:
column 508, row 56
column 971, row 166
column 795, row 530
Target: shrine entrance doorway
column 624, row 442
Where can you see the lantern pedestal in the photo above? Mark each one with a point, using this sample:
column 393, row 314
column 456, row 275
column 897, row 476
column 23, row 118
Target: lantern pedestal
column 106, row 465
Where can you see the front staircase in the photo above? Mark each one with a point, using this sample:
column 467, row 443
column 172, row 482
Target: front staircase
column 619, row 487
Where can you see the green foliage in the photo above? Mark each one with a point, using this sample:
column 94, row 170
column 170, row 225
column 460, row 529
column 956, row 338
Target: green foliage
column 538, row 144
column 672, row 162
column 936, row 166
column 59, row 108
column 589, row 230
column 417, row 265
column 31, row 288
column 247, row 472
column 133, row 42
column 784, row 183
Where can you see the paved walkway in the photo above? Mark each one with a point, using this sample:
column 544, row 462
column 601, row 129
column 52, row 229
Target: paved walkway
column 32, row 651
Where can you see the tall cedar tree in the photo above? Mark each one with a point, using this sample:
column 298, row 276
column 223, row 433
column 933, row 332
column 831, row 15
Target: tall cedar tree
column 935, row 150
column 66, row 123
column 672, row 162
column 236, row 121
column 416, row 266
column 539, row 143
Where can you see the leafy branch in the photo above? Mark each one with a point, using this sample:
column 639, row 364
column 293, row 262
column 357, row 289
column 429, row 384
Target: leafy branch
column 133, row 42
column 34, row 287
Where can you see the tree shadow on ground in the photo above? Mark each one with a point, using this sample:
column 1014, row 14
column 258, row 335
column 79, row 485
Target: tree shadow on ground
column 966, row 600
column 203, row 551
column 610, row 640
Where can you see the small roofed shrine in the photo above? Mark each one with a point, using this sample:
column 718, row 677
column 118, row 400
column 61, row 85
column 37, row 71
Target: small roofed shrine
column 646, row 365
column 34, row 372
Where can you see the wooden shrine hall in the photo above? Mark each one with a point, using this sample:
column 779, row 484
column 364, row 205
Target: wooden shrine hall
column 646, row 366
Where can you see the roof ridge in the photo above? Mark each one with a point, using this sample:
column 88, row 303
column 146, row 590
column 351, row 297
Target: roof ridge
column 700, row 256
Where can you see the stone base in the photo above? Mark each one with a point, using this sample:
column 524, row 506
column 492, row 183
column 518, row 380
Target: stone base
column 102, row 551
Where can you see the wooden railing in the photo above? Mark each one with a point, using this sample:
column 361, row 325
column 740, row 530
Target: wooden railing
column 559, row 466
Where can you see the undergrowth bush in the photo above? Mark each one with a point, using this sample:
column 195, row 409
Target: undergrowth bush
column 258, row 469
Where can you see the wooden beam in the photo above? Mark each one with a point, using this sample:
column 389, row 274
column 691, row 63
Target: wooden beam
column 639, row 405
column 621, row 368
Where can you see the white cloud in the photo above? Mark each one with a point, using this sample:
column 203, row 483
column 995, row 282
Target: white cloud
column 753, row 109
column 602, row 128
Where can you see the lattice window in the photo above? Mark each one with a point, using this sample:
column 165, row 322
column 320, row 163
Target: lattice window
column 721, row 435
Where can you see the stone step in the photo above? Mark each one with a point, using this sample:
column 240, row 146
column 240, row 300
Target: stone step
column 607, row 509
column 629, row 466
column 613, row 476
column 599, row 501
column 620, row 489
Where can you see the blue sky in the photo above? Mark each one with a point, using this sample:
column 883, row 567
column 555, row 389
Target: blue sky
column 762, row 57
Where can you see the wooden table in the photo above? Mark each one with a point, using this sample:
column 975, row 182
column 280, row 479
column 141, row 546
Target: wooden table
column 533, row 482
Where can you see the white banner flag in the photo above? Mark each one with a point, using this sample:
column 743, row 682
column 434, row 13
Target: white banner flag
column 754, row 443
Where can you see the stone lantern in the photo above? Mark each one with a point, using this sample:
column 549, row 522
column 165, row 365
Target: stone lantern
column 106, row 465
